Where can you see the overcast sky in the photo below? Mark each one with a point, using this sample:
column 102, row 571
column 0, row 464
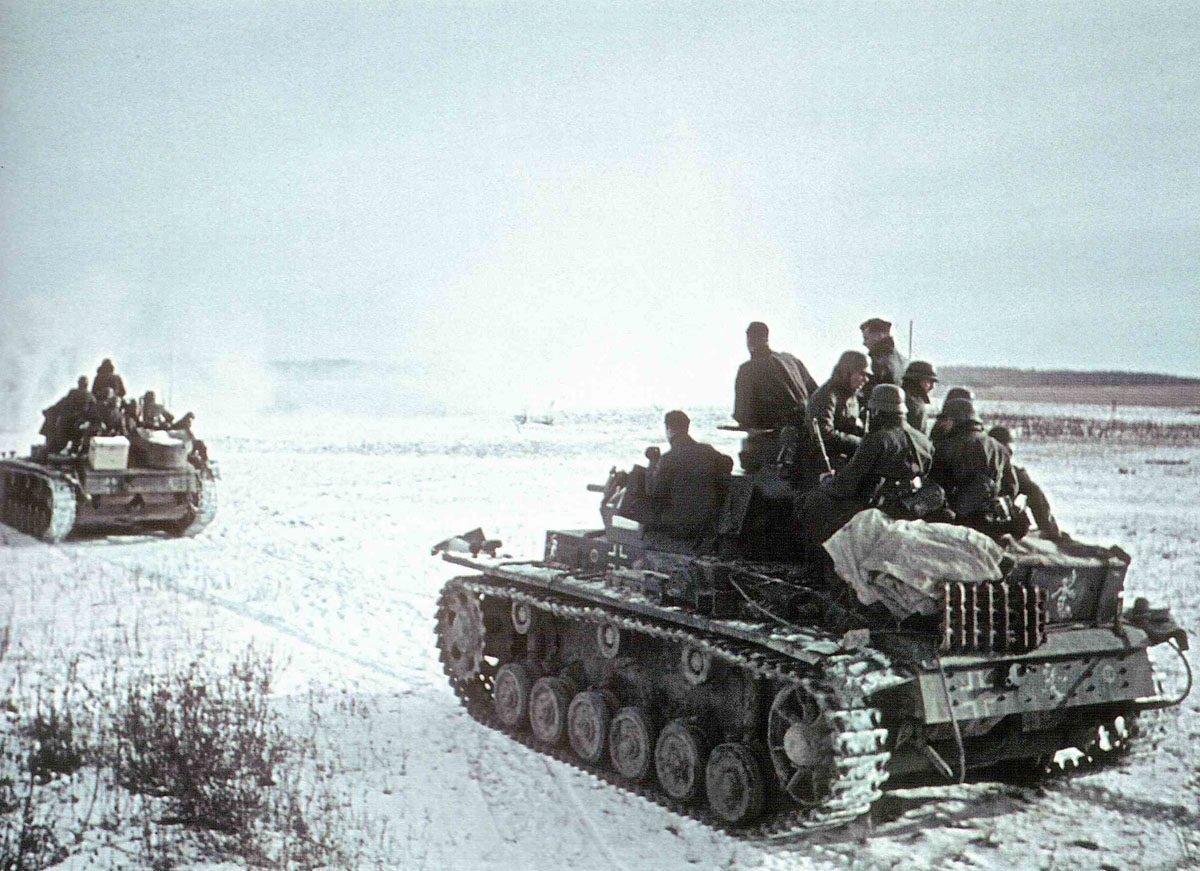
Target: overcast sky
column 589, row 200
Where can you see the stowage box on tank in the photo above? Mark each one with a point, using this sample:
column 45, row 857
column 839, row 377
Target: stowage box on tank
column 757, row 695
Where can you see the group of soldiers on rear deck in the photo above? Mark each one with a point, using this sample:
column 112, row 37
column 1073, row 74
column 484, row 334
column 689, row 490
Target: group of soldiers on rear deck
column 841, row 454
column 103, row 410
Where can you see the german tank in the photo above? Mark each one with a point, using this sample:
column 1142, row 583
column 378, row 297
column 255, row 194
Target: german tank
column 149, row 480
column 750, row 688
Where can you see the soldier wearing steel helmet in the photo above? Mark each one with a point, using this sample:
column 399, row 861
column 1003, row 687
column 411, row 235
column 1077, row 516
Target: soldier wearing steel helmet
column 1039, row 505
column 941, row 425
column 889, row 463
column 893, row 452
column 918, row 383
column 972, row 467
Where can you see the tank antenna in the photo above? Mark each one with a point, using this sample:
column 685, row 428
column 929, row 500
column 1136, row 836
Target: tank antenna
column 910, row 325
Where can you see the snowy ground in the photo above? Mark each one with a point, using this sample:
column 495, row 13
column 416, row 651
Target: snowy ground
column 320, row 554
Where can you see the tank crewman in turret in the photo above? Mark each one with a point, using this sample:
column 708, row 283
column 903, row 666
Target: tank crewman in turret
column 833, row 408
column 1039, row 505
column 887, row 364
column 686, row 486
column 973, row 468
column 770, row 392
column 107, row 379
column 889, row 464
column 918, row 383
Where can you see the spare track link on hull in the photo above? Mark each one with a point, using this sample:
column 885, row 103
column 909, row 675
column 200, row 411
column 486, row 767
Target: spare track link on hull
column 858, row 744
column 25, row 508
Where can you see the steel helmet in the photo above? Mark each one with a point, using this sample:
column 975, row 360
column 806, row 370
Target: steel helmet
column 919, row 370
column 959, row 410
column 885, row 398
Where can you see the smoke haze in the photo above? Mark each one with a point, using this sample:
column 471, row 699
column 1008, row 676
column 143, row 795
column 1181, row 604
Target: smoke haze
column 507, row 205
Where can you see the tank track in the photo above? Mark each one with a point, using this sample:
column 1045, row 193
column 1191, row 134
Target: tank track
column 23, row 503
column 844, row 680
column 206, row 508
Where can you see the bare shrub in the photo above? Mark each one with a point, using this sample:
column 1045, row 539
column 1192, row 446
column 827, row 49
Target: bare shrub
column 208, row 743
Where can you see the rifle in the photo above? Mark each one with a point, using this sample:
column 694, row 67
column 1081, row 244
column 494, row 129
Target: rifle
column 748, row 430
column 816, row 431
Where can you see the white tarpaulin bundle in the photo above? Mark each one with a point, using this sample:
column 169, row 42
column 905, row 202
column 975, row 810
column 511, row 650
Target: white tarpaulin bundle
column 902, row 563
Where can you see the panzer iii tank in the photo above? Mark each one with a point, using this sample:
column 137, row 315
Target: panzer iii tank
column 152, row 480
column 751, row 689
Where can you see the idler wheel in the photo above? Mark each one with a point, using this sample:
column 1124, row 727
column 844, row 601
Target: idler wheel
column 734, row 783
column 801, row 745
column 510, row 694
column 679, row 757
column 587, row 725
column 631, row 743
column 549, row 701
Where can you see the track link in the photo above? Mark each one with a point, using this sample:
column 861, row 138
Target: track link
column 840, row 687
column 38, row 505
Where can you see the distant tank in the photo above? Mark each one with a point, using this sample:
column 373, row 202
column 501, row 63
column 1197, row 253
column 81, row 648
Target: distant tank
column 151, row 480
column 750, row 689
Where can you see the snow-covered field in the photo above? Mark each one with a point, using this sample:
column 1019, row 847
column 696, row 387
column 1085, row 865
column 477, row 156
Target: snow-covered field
column 320, row 554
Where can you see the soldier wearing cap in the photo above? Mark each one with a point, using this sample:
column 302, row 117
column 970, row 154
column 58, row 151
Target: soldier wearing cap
column 973, row 468
column 1039, row 505
column 887, row 364
column 833, row 408
column 889, row 463
column 918, row 383
column 770, row 392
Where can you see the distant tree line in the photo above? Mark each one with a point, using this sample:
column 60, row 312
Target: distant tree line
column 1000, row 376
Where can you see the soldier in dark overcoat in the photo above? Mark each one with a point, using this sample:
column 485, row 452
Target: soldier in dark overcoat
column 1039, row 504
column 887, row 363
column 107, row 379
column 890, row 461
column 833, row 408
column 972, row 467
column 769, row 393
column 686, row 486
column 918, row 383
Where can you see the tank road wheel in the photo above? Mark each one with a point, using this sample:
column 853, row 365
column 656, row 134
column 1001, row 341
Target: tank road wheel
column 631, row 743
column 460, row 638
column 734, row 783
column 549, row 701
column 801, row 745
column 679, row 758
column 510, row 695
column 587, row 725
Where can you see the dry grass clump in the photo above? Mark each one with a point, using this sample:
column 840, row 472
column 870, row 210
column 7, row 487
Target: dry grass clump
column 181, row 765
